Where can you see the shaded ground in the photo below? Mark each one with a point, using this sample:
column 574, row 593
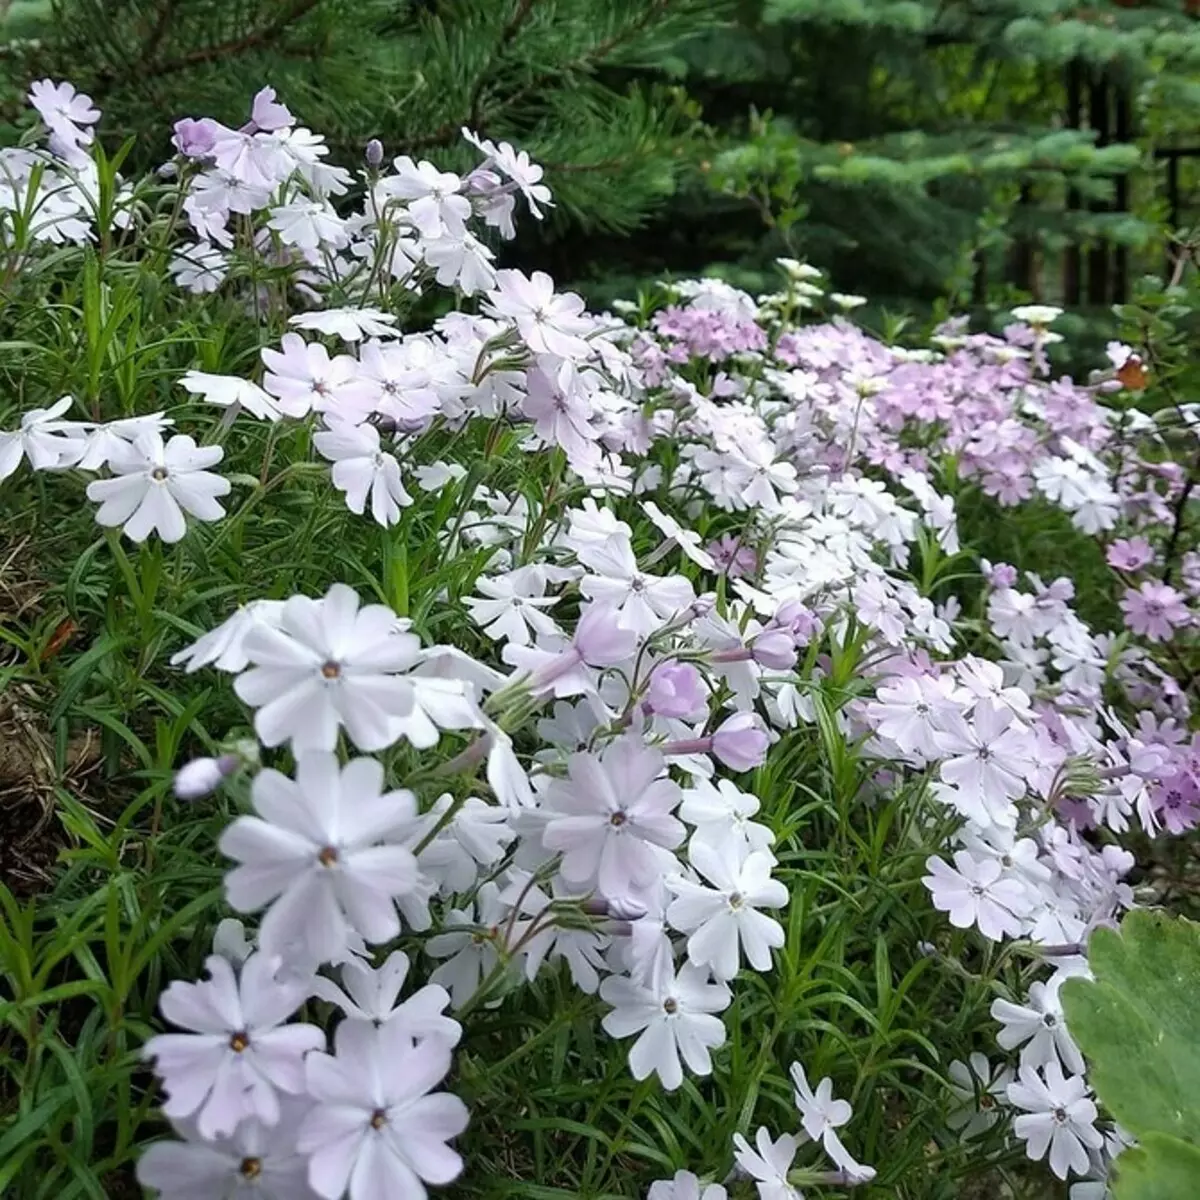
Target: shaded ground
column 30, row 833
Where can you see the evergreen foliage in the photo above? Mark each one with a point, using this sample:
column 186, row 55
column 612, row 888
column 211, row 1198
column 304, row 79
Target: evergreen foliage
column 917, row 149
column 900, row 142
column 574, row 82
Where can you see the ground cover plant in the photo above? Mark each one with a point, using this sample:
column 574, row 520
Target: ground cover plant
column 475, row 745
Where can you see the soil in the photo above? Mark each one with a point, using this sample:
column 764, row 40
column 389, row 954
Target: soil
column 31, row 834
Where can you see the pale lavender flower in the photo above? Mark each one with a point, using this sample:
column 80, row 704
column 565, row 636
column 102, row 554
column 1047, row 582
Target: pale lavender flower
column 361, row 469
column 612, row 817
column 377, row 1129
column 373, row 995
column 977, row 893
column 154, row 484
column 329, row 664
column 1059, row 1117
column 740, row 742
column 302, row 377
column 224, row 647
column 685, row 1186
column 240, row 1055
column 40, row 439
column 1155, row 610
column 1130, row 554
column 349, row 324
column 768, row 1164
column 324, row 854
column 548, row 323
column 980, row 1091
column 257, row 1160
column 267, row 114
column 723, row 920
column 1039, row 1027
column 675, row 1016
column 675, row 689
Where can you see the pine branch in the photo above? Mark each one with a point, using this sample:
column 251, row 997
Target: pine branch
column 165, row 12
column 250, row 41
column 588, row 60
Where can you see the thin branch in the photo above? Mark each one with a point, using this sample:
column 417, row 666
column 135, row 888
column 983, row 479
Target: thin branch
column 154, row 41
column 250, row 41
column 1179, row 521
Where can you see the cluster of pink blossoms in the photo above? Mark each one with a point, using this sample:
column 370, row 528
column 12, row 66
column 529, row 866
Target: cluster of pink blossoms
column 630, row 691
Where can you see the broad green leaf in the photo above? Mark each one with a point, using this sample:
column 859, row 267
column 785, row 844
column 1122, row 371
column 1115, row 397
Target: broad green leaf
column 1161, row 1168
column 1139, row 1024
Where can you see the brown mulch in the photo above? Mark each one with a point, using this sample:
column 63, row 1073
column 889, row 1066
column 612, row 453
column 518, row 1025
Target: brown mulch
column 31, row 835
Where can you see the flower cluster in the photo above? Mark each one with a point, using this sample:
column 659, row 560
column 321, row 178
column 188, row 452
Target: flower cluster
column 751, row 499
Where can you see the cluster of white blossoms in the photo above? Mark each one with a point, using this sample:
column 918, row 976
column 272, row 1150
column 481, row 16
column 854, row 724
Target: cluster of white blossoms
column 611, row 829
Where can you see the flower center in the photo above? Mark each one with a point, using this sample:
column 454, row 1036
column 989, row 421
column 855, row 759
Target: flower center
column 239, row 1042
column 976, row 890
column 670, row 1006
column 331, row 670
column 736, row 900
column 328, row 856
column 1060, row 1115
column 1049, row 1020
column 251, row 1168
column 159, row 474
column 986, row 1102
column 379, row 1118
column 618, row 818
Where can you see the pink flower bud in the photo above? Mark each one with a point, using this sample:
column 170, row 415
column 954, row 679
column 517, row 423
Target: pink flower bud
column 374, row 153
column 798, row 619
column 195, row 139
column 1002, row 575
column 676, row 690
column 774, row 649
column 741, row 742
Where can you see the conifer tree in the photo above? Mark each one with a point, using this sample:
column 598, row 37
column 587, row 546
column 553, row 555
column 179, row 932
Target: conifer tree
column 574, row 82
column 921, row 146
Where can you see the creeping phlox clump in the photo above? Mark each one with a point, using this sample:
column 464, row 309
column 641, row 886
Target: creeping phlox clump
column 795, row 476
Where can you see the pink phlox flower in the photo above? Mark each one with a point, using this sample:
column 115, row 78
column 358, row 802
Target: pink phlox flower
column 1155, row 611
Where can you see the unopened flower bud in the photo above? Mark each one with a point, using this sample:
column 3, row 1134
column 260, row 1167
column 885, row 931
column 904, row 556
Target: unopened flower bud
column 798, row 619
column 741, row 742
column 625, row 908
column 230, row 941
column 774, row 649
column 620, row 908
column 676, row 690
column 204, row 775
column 374, row 153
column 1002, row 575
column 600, row 640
